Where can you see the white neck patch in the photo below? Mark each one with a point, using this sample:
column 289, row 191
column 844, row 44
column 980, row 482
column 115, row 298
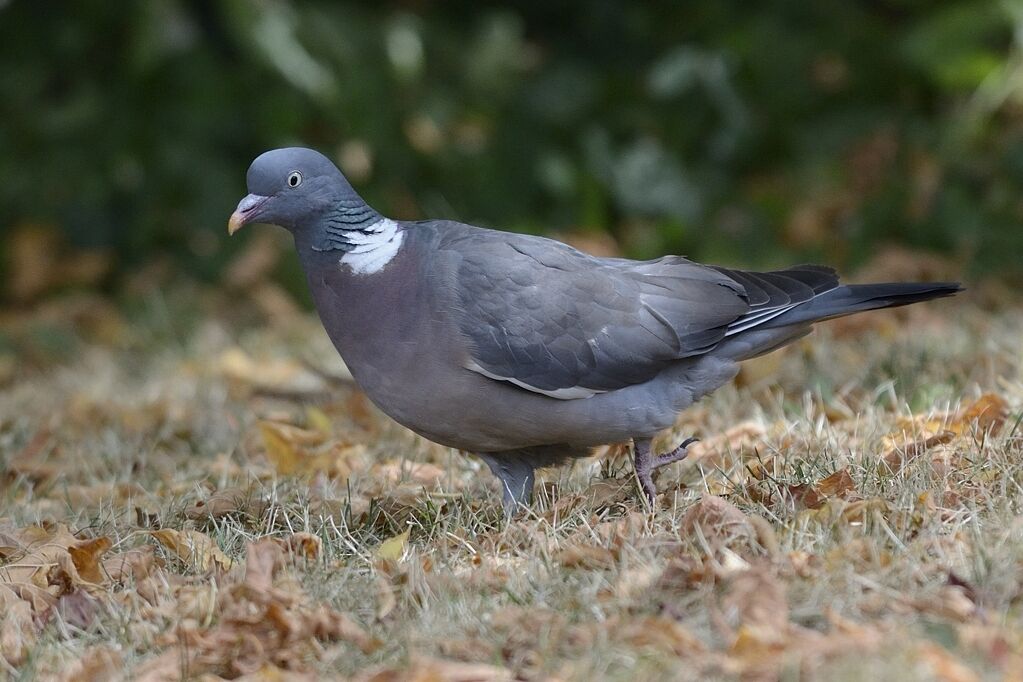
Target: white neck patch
column 375, row 246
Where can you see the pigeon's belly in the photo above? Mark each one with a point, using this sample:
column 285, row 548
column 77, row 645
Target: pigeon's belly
column 468, row 411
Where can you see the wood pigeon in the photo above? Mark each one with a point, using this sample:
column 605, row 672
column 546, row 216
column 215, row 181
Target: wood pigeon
column 522, row 349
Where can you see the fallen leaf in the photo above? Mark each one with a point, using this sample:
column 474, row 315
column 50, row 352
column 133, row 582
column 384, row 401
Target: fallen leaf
column 736, row 439
column 319, row 421
column 262, row 561
column 719, row 521
column 590, row 557
column 898, row 457
column 393, row 549
column 264, row 622
column 988, row 413
column 224, row 503
column 294, row 451
column 305, row 545
column 659, row 633
column 838, row 485
column 86, row 556
column 194, row 548
column 17, row 629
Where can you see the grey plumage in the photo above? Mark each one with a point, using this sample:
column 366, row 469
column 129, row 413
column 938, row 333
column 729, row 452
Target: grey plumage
column 522, row 349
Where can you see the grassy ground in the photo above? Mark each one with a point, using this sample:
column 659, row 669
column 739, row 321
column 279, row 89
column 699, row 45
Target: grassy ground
column 190, row 487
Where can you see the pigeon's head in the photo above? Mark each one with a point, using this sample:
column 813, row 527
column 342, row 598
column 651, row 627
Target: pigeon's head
column 290, row 187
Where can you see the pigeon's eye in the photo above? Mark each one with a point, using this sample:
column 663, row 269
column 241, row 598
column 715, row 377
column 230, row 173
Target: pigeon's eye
column 295, row 179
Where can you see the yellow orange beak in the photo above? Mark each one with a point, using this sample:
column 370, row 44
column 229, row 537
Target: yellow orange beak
column 247, row 211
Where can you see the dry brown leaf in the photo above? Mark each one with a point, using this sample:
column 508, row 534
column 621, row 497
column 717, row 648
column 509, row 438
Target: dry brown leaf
column 591, row 557
column 224, row 503
column 271, row 673
column 720, row 522
column 264, row 621
column 598, row 496
column 32, row 462
column 194, row 548
column 44, row 568
column 897, row 457
column 736, row 439
column 77, row 608
column 86, row 556
column 138, row 564
column 758, row 598
column 262, row 561
column 301, row 544
column 17, row 629
column 838, row 485
column 660, row 633
column 291, row 451
column 988, row 413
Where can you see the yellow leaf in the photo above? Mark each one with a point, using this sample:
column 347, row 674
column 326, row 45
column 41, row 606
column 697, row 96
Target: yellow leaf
column 194, row 547
column 393, row 548
column 281, row 452
column 319, row 421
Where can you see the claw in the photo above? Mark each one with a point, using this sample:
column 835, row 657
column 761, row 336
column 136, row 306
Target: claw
column 645, row 464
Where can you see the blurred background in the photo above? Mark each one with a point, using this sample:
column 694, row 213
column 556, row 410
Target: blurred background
column 748, row 134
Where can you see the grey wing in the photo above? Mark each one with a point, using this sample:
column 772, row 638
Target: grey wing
column 548, row 318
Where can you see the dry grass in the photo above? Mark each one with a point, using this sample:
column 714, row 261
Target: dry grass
column 847, row 516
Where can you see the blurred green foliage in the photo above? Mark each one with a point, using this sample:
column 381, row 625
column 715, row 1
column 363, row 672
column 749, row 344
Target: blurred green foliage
column 749, row 132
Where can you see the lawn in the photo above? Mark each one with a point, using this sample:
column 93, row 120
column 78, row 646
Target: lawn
column 191, row 486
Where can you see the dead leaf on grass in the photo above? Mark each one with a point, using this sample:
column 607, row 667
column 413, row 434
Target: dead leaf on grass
column 592, row 557
column 719, row 521
column 194, row 548
column 899, row 456
column 86, row 556
column 224, row 503
column 295, row 451
column 988, row 413
column 264, row 622
column 658, row 633
column 393, row 549
column 839, row 485
column 301, row 544
column 736, row 439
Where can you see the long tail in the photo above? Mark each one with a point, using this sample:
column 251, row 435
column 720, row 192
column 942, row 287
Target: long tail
column 787, row 302
column 855, row 298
